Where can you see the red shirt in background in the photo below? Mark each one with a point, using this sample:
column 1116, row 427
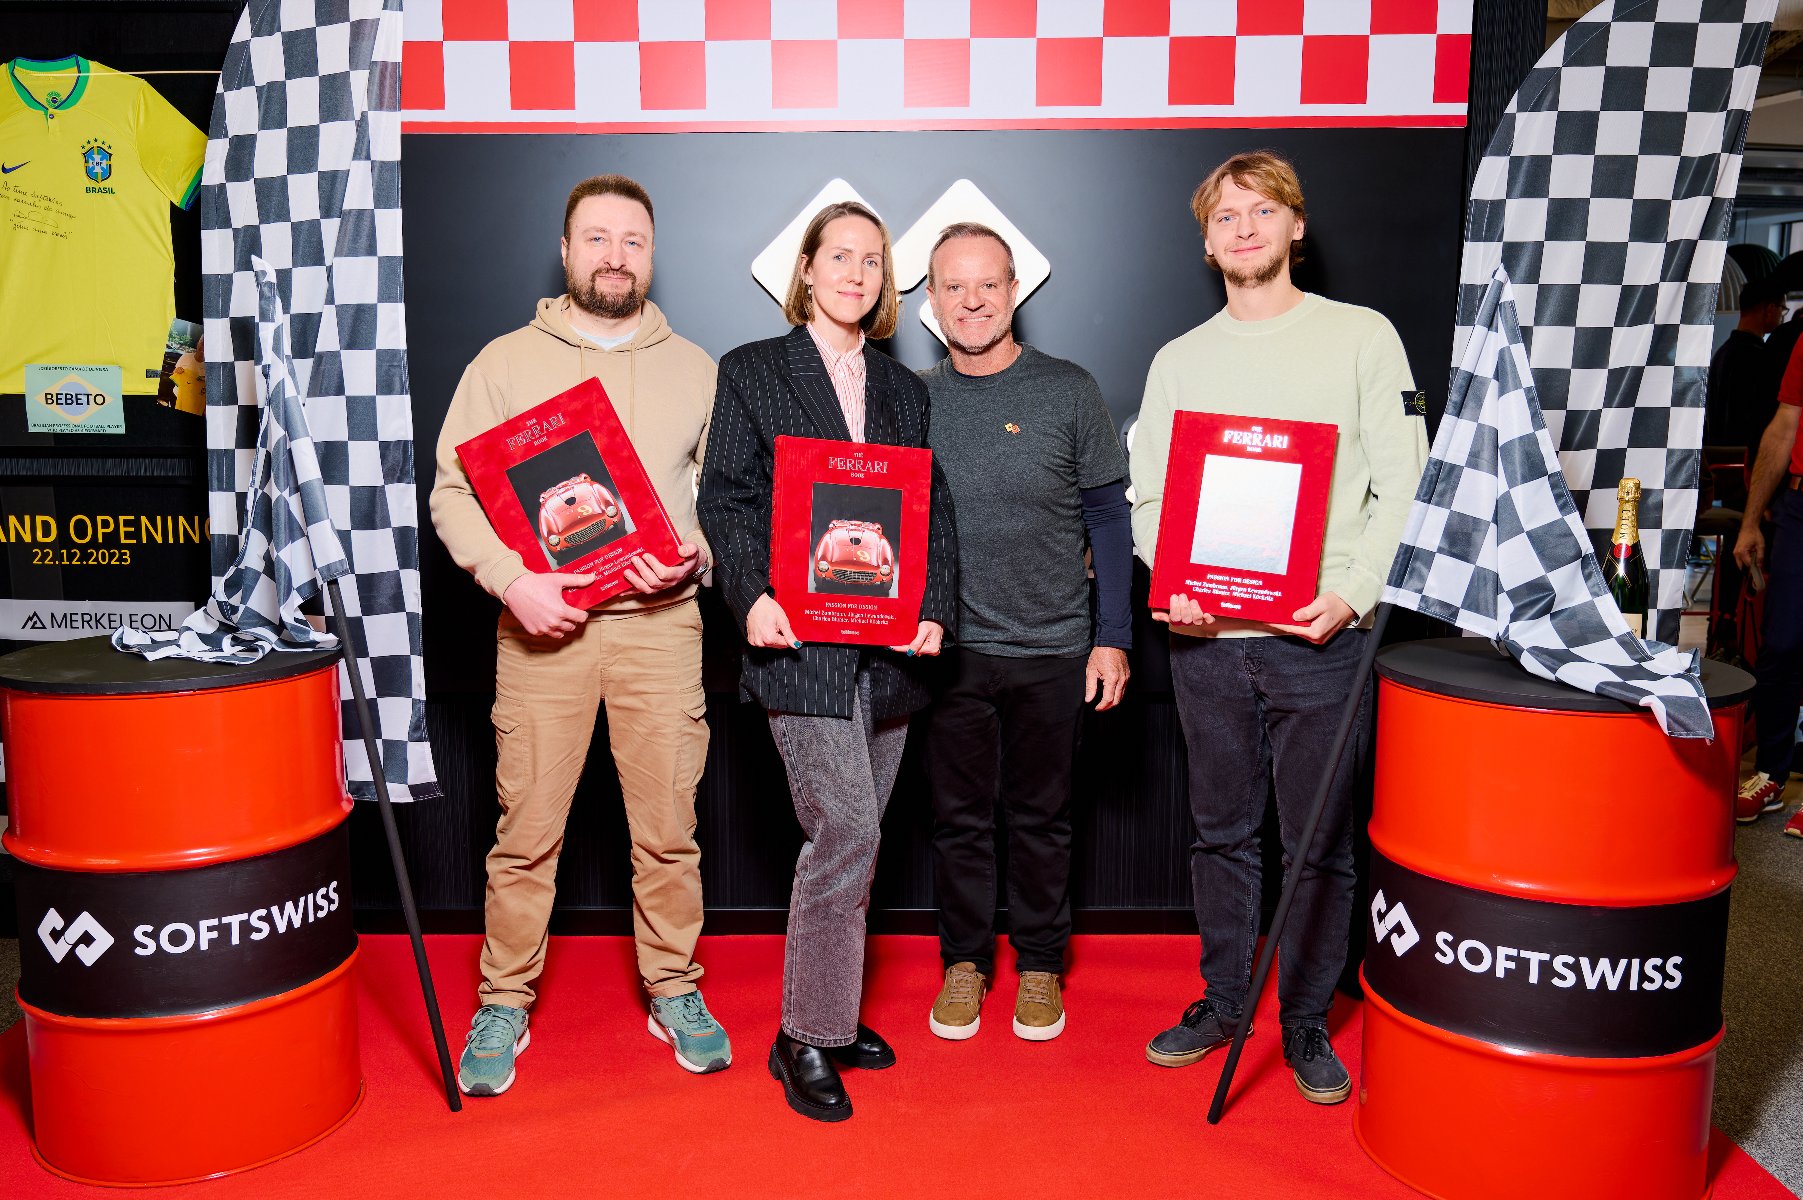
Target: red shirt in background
column 1790, row 391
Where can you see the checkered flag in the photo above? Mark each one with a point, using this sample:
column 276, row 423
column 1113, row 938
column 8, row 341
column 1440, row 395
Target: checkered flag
column 1495, row 544
column 288, row 548
column 1605, row 198
column 303, row 173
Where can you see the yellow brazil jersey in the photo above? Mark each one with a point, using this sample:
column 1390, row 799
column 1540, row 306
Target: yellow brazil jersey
column 90, row 160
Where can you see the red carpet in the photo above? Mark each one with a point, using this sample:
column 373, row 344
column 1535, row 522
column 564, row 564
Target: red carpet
column 601, row 1110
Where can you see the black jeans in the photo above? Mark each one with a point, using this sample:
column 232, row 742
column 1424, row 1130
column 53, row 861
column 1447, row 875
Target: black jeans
column 1780, row 671
column 1007, row 727
column 1250, row 707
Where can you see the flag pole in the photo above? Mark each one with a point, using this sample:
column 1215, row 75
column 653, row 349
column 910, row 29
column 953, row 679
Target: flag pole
column 366, row 719
column 1268, row 952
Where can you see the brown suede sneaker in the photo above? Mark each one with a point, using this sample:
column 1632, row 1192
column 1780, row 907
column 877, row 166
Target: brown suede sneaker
column 1039, row 1008
column 958, row 1010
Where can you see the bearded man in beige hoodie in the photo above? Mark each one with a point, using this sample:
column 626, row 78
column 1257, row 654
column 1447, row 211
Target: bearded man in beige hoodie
column 640, row 653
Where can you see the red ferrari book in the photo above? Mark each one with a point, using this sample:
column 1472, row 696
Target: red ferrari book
column 562, row 485
column 848, row 539
column 1245, row 511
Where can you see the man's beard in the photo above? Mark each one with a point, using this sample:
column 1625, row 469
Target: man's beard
column 1258, row 276
column 584, row 294
column 1004, row 324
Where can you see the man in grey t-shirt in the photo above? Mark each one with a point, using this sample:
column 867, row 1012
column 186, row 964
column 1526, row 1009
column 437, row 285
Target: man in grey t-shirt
column 1034, row 467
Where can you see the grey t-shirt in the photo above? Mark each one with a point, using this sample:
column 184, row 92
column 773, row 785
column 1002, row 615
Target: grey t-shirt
column 1017, row 448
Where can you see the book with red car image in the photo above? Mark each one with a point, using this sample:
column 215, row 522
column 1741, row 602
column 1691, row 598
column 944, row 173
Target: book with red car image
column 562, row 485
column 848, row 539
column 1244, row 516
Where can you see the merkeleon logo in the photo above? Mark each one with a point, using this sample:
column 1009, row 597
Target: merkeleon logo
column 60, row 940
column 1393, row 925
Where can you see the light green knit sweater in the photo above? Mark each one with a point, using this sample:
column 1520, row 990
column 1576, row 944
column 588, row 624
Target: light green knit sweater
column 1321, row 361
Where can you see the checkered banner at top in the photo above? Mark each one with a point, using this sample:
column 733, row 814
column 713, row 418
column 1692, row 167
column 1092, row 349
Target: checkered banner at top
column 1605, row 196
column 924, row 64
column 302, row 185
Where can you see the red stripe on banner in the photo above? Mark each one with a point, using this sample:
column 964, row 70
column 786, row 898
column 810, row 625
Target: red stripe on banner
column 804, row 74
column 1281, row 18
column 737, row 20
column 936, row 73
column 541, row 75
column 1202, row 70
column 422, row 75
column 1335, row 68
column 672, row 75
column 475, row 20
column 1300, row 121
column 1405, row 16
column 606, row 20
column 1004, row 18
column 1136, row 18
column 1069, row 72
column 1452, row 68
column 870, row 19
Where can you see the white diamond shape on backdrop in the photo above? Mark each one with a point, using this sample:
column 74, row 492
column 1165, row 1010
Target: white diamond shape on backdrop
column 775, row 263
column 963, row 201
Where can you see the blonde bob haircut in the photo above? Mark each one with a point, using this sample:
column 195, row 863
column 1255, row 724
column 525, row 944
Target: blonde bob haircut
column 1263, row 171
column 879, row 322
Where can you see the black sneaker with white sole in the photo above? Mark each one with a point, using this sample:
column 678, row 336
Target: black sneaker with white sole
column 1320, row 1076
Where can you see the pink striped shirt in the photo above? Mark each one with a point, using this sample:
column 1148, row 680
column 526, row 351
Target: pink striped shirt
column 847, row 373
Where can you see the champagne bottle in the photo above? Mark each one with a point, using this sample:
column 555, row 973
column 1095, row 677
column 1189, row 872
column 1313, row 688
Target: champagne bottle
column 1626, row 566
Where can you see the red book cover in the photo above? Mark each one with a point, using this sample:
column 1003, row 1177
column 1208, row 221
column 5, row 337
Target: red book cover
column 848, row 539
column 562, row 485
column 1245, row 511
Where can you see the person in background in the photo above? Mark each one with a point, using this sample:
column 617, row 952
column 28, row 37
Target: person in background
column 838, row 713
column 1741, row 403
column 1778, row 674
column 1030, row 454
column 555, row 664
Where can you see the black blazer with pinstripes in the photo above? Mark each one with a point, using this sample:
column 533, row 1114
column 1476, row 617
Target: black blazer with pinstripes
column 780, row 386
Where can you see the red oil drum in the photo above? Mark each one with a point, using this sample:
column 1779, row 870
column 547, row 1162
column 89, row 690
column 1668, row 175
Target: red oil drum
column 1547, row 929
column 185, row 940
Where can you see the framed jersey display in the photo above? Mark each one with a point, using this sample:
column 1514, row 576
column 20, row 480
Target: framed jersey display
column 563, row 487
column 848, row 539
column 1245, row 512
column 90, row 161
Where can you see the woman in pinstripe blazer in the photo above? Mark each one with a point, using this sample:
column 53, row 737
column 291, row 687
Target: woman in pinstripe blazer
column 839, row 714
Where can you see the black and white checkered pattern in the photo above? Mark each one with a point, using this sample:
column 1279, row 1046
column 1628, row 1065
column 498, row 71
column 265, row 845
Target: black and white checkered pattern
column 1495, row 543
column 1605, row 196
column 303, row 171
column 289, row 546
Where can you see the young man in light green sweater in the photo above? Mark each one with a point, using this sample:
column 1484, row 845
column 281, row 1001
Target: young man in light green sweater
column 1259, row 700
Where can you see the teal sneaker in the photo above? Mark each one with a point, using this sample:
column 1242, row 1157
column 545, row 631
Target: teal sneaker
column 684, row 1024
column 497, row 1034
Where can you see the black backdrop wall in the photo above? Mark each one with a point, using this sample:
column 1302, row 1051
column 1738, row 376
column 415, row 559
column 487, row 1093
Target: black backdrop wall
column 1108, row 208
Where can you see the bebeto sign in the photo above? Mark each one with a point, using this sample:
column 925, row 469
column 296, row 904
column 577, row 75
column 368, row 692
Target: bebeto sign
column 148, row 944
column 1571, row 979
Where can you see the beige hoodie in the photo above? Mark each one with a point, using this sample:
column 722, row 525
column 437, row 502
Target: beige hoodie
column 662, row 387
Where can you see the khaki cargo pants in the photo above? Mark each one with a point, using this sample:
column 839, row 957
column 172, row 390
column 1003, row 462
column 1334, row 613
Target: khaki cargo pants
column 647, row 669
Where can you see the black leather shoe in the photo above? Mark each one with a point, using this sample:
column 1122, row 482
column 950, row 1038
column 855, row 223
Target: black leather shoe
column 810, row 1081
column 870, row 1052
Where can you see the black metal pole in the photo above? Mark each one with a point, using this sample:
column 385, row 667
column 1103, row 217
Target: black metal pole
column 1307, row 842
column 366, row 719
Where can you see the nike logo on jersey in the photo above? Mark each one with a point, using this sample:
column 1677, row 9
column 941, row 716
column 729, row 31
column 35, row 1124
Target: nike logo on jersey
column 6, row 170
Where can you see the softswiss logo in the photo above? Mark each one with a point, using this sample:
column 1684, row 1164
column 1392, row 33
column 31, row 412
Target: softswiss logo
column 60, row 939
column 1393, row 925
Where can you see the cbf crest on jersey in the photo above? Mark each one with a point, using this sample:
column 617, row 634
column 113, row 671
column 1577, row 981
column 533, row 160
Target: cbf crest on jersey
column 97, row 160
